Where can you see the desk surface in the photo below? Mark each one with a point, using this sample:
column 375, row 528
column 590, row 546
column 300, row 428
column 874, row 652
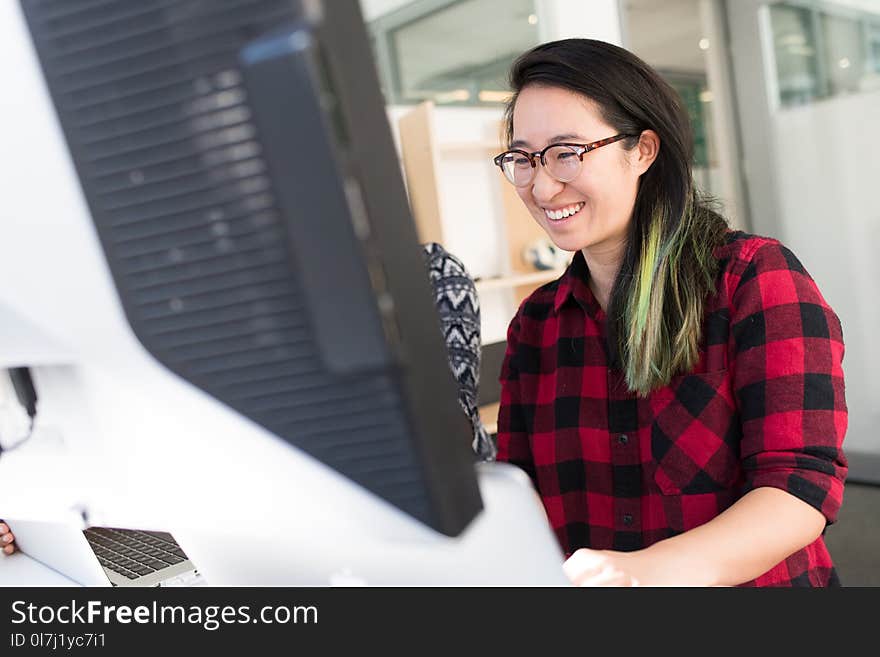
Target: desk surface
column 18, row 569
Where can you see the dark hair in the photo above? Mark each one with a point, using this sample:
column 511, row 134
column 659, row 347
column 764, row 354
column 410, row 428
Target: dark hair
column 668, row 270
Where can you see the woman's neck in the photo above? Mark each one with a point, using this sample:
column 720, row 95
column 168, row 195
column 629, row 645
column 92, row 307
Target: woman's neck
column 603, row 262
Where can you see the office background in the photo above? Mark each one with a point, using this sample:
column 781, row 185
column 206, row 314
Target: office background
column 784, row 97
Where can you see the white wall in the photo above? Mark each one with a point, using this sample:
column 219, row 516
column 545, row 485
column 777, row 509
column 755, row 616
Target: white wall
column 592, row 19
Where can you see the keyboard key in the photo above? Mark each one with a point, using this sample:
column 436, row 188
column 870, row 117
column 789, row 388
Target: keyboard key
column 99, row 540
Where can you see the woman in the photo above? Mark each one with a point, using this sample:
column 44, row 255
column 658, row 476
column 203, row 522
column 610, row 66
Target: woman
column 677, row 395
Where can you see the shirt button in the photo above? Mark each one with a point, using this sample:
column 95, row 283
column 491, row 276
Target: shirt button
column 623, row 439
column 627, row 520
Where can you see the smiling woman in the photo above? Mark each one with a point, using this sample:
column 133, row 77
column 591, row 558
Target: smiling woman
column 677, row 394
column 653, row 341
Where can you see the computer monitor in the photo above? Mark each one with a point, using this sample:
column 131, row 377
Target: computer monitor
column 239, row 169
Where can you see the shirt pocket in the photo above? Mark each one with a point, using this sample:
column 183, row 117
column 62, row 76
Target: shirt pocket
column 695, row 435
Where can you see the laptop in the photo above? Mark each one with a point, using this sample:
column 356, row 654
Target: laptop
column 104, row 556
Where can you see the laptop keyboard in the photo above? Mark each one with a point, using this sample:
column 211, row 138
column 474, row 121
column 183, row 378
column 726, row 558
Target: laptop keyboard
column 133, row 553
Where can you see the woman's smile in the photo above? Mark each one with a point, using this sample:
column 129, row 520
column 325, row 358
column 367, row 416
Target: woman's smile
column 561, row 214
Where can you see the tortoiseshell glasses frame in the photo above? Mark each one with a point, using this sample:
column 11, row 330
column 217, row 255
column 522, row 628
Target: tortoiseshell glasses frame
column 563, row 164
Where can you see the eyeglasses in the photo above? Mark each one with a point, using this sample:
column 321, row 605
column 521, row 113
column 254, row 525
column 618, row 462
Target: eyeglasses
column 562, row 160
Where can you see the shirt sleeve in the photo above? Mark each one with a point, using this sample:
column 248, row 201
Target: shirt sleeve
column 788, row 381
column 513, row 435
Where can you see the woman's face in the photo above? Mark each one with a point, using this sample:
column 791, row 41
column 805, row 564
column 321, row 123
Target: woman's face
column 604, row 192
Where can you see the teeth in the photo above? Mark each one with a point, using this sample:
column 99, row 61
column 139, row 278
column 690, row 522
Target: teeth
column 564, row 212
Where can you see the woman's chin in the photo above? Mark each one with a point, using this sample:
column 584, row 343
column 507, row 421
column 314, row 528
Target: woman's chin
column 566, row 242
column 561, row 233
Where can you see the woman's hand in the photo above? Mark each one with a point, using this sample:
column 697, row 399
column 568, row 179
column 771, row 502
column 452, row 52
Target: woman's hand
column 7, row 540
column 648, row 567
column 600, row 568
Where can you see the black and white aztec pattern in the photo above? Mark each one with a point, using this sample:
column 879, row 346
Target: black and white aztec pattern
column 455, row 297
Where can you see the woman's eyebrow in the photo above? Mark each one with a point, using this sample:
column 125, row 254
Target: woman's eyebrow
column 519, row 143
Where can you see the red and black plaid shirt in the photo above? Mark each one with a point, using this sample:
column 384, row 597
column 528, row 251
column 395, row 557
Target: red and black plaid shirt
column 763, row 407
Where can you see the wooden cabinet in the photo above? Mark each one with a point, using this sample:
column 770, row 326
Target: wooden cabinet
column 447, row 156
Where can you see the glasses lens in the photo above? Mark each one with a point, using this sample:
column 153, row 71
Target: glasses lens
column 517, row 169
column 563, row 163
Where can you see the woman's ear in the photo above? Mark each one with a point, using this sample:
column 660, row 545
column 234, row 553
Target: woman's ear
column 644, row 154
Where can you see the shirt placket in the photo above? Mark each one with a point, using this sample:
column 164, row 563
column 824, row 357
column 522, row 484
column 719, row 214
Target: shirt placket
column 626, row 469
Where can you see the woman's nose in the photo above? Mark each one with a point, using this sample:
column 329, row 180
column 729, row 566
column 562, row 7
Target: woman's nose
column 544, row 186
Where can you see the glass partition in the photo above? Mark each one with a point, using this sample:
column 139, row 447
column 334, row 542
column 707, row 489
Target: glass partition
column 452, row 52
column 796, row 52
column 822, row 50
column 844, row 53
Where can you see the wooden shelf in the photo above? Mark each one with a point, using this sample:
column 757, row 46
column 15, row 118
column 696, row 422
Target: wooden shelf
column 502, row 282
column 489, row 417
column 423, row 154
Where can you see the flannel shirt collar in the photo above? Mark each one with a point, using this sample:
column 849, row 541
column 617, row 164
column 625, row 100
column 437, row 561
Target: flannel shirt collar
column 574, row 283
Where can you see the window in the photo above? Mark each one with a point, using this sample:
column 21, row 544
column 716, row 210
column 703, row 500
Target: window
column 844, row 53
column 874, row 47
column 823, row 49
column 797, row 58
column 454, row 52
